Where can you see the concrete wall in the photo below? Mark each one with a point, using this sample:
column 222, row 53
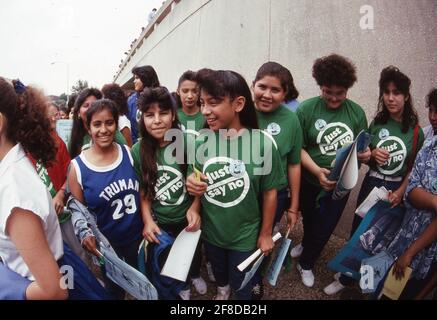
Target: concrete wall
column 242, row 34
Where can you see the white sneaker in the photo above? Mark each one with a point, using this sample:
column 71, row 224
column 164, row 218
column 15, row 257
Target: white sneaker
column 210, row 272
column 200, row 285
column 333, row 288
column 185, row 294
column 296, row 251
column 337, row 276
column 223, row 293
column 307, row 276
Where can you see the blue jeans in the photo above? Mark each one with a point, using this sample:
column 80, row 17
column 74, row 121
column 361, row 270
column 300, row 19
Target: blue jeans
column 224, row 263
column 282, row 204
column 367, row 186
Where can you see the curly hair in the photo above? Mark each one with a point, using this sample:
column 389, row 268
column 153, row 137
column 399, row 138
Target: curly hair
column 27, row 121
column 149, row 145
column 334, row 70
column 402, row 83
column 115, row 93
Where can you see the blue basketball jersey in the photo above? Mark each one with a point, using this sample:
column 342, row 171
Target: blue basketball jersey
column 112, row 194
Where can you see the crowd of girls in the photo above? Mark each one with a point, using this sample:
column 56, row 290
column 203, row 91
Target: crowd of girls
column 130, row 166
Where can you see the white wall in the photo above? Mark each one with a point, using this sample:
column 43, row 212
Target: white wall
column 242, row 34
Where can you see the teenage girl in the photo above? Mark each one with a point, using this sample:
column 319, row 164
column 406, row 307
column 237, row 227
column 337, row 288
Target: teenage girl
column 328, row 122
column 233, row 179
column 396, row 140
column 190, row 117
column 165, row 202
column 269, row 91
column 80, row 138
column 31, row 248
column 103, row 178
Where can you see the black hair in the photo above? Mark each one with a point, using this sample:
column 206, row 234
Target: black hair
column 186, row 76
column 147, row 75
column 148, row 144
column 334, row 70
column 431, row 99
column 402, row 83
column 115, row 93
column 225, row 83
column 79, row 131
column 277, row 70
column 100, row 105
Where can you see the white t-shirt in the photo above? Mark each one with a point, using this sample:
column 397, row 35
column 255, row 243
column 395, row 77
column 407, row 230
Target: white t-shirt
column 21, row 187
column 123, row 122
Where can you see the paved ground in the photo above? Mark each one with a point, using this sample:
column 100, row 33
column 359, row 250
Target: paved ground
column 289, row 285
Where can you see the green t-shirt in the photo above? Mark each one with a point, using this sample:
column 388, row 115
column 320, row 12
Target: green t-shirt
column 172, row 200
column 325, row 130
column 283, row 125
column 189, row 123
column 239, row 170
column 118, row 138
column 390, row 137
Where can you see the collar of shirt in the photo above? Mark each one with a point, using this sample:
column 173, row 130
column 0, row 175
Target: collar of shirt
column 14, row 155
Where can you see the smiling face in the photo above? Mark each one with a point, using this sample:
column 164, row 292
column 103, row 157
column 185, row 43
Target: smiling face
column 158, row 121
column 84, row 107
column 188, row 91
column 394, row 101
column 268, row 94
column 102, row 128
column 221, row 113
column 334, row 95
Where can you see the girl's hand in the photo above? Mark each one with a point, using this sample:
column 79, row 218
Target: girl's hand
column 58, row 202
column 90, row 245
column 380, row 156
column 265, row 243
column 195, row 187
column 292, row 218
column 149, row 231
column 401, row 264
column 395, row 198
column 194, row 220
column 364, row 156
column 326, row 184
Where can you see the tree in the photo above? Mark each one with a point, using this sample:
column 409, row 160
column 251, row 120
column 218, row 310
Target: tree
column 79, row 86
column 63, row 97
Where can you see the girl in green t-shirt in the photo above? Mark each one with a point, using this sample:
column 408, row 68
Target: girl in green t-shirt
column 165, row 204
column 190, row 117
column 269, row 92
column 233, row 223
column 328, row 123
column 396, row 140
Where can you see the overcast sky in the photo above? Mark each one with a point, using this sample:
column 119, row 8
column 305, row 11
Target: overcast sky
column 90, row 36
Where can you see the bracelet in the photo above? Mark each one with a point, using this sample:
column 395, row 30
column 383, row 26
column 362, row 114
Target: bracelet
column 293, row 211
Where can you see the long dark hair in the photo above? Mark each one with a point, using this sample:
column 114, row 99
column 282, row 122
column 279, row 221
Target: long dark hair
column 79, row 131
column 148, row 144
column 27, row 121
column 224, row 83
column 147, row 75
column 277, row 70
column 402, row 83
